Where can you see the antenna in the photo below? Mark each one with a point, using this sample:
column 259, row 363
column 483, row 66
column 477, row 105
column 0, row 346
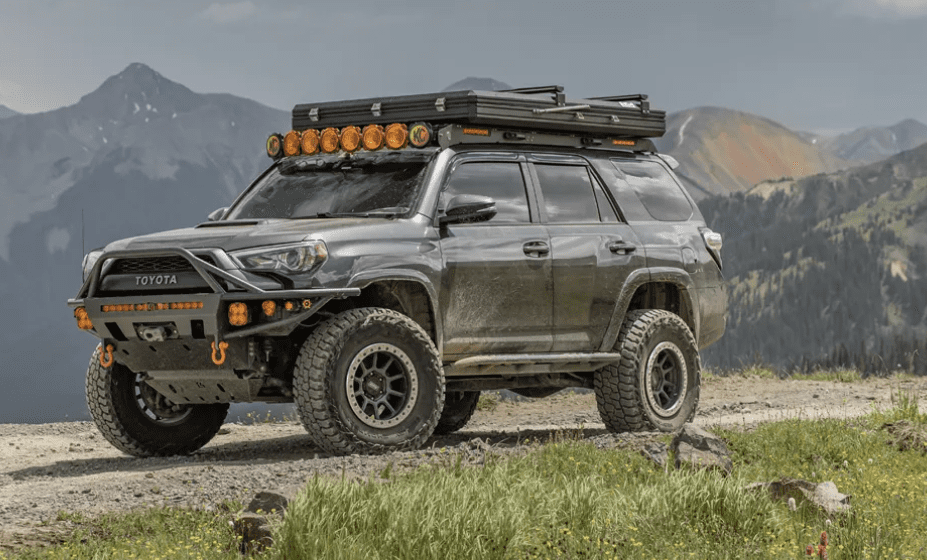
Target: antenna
column 82, row 250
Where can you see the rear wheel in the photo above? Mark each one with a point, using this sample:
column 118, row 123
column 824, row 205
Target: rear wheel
column 655, row 384
column 459, row 407
column 139, row 421
column 369, row 380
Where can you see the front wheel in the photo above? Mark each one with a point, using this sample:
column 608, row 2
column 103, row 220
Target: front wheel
column 139, row 421
column 655, row 384
column 369, row 380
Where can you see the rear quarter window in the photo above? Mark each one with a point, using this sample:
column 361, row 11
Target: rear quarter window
column 657, row 190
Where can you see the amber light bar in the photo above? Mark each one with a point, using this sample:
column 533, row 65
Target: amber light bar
column 151, row 306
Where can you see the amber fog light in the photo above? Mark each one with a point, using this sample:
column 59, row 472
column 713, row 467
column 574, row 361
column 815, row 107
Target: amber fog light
column 83, row 319
column 238, row 314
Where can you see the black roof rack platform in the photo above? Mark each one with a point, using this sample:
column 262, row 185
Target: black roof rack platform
column 542, row 109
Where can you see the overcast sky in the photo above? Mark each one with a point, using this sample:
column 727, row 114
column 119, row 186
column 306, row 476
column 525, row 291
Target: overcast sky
column 816, row 65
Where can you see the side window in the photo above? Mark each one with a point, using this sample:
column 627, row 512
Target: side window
column 660, row 194
column 568, row 193
column 502, row 181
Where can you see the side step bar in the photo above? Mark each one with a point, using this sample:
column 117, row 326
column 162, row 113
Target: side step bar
column 529, row 364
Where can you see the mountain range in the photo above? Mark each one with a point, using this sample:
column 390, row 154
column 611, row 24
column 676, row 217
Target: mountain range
column 6, row 112
column 828, row 270
column 142, row 153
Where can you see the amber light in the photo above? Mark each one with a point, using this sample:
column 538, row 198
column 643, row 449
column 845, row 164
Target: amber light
column 350, row 138
column 329, row 140
column 373, row 137
column 288, row 306
column 420, row 135
column 121, row 308
column 397, row 136
column 476, row 131
column 624, row 142
column 83, row 319
column 238, row 314
column 291, row 143
column 310, row 142
column 275, row 146
column 269, row 308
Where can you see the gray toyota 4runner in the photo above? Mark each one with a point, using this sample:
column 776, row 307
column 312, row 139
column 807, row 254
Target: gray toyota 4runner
column 381, row 277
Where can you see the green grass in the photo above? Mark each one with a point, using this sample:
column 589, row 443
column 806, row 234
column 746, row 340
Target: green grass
column 161, row 533
column 568, row 499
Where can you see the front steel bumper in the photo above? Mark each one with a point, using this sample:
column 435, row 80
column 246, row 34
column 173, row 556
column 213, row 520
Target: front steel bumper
column 194, row 322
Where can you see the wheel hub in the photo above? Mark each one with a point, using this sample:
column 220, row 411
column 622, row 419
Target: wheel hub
column 381, row 385
column 666, row 379
column 156, row 407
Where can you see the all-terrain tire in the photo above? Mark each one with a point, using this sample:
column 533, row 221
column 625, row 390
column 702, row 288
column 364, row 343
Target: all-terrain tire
column 655, row 384
column 369, row 380
column 121, row 406
column 459, row 407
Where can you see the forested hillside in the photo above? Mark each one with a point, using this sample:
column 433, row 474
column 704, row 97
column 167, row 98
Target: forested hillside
column 828, row 270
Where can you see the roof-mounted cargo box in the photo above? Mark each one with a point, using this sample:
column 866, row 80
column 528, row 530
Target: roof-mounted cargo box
column 540, row 109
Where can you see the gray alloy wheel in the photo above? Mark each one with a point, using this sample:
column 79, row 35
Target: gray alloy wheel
column 369, row 380
column 655, row 384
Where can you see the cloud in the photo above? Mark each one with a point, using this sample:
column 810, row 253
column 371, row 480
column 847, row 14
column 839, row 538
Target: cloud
column 885, row 9
column 228, row 12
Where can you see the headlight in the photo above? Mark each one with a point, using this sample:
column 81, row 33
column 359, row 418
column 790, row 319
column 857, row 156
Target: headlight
column 298, row 258
column 90, row 259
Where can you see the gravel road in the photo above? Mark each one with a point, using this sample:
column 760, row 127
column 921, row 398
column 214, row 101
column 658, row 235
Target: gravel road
column 47, row 468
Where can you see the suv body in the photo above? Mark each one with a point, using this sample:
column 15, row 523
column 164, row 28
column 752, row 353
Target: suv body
column 382, row 290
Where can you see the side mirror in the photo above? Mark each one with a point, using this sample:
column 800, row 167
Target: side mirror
column 465, row 208
column 217, row 214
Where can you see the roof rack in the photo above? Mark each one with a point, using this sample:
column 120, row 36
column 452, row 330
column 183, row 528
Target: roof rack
column 538, row 109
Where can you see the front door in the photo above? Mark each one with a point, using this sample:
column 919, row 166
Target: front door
column 497, row 290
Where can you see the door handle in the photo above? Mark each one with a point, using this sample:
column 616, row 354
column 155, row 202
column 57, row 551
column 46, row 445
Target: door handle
column 621, row 247
column 536, row 248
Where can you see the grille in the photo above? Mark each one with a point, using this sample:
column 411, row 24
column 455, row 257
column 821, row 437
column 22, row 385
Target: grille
column 155, row 264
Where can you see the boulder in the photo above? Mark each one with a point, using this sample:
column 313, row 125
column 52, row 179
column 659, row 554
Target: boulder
column 699, row 448
column 267, row 502
column 254, row 530
column 823, row 495
column 656, row 452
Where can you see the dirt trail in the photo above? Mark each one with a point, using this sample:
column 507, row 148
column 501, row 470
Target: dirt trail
column 47, row 468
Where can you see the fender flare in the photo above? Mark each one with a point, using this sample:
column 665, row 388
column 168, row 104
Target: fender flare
column 365, row 279
column 662, row 275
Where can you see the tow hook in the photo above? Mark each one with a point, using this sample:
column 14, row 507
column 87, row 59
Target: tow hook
column 106, row 358
column 220, row 359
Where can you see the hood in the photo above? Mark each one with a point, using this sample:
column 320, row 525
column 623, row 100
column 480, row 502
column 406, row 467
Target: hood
column 233, row 235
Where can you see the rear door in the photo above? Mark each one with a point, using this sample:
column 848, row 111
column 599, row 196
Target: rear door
column 497, row 290
column 593, row 250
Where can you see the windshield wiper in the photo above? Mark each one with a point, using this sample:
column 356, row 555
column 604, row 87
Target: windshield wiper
column 377, row 213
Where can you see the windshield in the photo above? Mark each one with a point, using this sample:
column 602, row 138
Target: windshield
column 327, row 187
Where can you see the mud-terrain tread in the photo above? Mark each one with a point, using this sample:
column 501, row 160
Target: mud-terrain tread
column 111, row 417
column 616, row 386
column 312, row 387
column 457, row 413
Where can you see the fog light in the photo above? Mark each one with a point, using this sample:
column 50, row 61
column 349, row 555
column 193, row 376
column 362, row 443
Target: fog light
column 329, row 140
column 310, row 142
column 373, row 136
column 83, row 320
column 350, row 138
column 238, row 314
column 291, row 143
column 269, row 308
column 397, row 136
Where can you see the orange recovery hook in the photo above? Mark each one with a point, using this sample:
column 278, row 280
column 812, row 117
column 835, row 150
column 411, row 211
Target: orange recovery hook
column 220, row 359
column 106, row 358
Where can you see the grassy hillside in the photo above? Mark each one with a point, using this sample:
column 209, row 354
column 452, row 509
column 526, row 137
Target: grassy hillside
column 829, row 269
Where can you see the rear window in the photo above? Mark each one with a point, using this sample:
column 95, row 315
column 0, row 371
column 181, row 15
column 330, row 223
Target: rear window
column 660, row 194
